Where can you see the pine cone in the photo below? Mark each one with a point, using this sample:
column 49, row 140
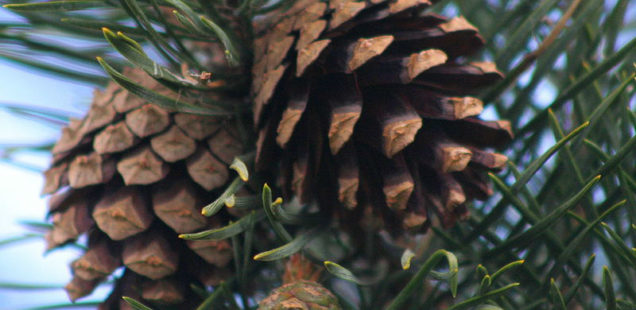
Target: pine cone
column 366, row 105
column 132, row 175
column 303, row 295
column 300, row 289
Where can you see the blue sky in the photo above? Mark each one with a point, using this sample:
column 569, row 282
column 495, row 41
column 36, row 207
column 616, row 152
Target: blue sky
column 20, row 188
column 20, row 198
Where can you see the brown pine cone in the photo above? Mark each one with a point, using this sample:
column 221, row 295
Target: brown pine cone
column 300, row 289
column 132, row 176
column 366, row 106
column 302, row 295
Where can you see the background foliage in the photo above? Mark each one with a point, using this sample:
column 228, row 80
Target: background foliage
column 560, row 231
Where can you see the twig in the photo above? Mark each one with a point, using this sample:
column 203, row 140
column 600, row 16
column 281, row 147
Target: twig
column 529, row 58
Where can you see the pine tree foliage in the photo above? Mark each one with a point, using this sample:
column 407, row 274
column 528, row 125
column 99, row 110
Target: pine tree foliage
column 559, row 232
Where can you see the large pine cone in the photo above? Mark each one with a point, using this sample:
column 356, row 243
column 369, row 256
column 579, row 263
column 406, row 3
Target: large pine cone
column 366, row 105
column 131, row 176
